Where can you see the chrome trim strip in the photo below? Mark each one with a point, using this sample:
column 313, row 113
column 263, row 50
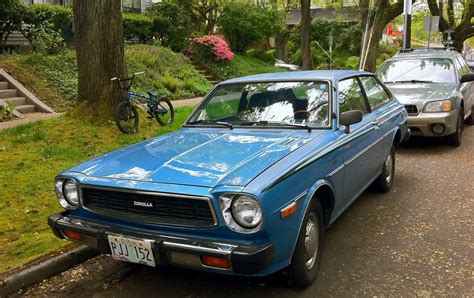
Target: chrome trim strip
column 337, row 170
column 114, row 214
column 198, row 248
column 300, row 196
column 388, row 116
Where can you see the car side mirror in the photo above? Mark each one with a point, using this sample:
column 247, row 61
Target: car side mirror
column 468, row 77
column 349, row 118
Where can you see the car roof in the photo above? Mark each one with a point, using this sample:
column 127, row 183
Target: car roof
column 331, row 75
column 425, row 53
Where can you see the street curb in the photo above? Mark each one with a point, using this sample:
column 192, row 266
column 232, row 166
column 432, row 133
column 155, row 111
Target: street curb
column 38, row 272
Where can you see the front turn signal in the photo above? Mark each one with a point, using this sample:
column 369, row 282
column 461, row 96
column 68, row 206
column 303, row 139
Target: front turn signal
column 289, row 210
column 215, row 262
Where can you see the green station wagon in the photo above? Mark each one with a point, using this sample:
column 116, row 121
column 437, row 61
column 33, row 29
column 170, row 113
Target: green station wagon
column 436, row 87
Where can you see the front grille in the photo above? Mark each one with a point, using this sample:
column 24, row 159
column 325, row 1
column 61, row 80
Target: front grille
column 149, row 207
column 411, row 109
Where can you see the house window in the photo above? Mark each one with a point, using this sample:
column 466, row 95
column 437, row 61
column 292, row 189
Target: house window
column 131, row 5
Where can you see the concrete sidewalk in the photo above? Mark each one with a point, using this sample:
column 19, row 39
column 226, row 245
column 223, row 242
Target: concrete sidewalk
column 186, row 102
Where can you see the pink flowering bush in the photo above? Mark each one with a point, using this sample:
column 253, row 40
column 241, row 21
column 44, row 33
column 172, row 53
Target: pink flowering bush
column 210, row 47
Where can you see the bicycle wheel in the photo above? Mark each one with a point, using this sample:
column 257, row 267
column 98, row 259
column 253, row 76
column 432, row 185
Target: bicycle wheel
column 164, row 112
column 126, row 117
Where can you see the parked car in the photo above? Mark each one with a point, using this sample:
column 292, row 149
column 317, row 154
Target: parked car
column 287, row 66
column 436, row 88
column 248, row 185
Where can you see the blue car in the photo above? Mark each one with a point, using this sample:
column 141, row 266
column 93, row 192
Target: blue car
column 249, row 184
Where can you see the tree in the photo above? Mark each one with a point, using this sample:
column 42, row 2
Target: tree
column 383, row 13
column 247, row 24
column 463, row 29
column 100, row 55
column 11, row 12
column 306, row 34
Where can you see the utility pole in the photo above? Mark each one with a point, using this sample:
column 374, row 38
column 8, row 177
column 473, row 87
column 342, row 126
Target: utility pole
column 407, row 9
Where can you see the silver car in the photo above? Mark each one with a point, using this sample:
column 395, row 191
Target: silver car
column 436, row 88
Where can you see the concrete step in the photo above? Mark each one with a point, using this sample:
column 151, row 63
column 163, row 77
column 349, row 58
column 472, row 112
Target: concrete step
column 25, row 109
column 7, row 93
column 3, row 85
column 18, row 101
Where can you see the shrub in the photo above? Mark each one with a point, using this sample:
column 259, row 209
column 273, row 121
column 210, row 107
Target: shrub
column 137, row 25
column 6, row 111
column 47, row 25
column 172, row 24
column 59, row 18
column 171, row 83
column 245, row 24
column 210, row 47
column 45, row 40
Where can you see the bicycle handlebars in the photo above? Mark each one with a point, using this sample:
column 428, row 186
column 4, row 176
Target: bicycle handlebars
column 130, row 78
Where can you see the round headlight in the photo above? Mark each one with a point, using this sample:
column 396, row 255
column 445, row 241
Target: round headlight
column 70, row 192
column 246, row 211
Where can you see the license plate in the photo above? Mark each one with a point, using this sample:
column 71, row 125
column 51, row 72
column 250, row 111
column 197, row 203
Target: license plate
column 131, row 250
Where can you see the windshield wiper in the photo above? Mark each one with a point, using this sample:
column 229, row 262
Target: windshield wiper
column 203, row 121
column 411, row 81
column 266, row 122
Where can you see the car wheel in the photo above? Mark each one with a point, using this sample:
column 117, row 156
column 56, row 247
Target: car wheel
column 456, row 138
column 384, row 181
column 306, row 258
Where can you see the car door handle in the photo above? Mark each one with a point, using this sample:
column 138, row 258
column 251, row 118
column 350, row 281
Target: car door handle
column 375, row 123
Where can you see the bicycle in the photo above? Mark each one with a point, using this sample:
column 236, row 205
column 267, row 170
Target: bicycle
column 126, row 113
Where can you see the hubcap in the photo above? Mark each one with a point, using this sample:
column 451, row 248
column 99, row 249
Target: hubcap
column 389, row 168
column 311, row 240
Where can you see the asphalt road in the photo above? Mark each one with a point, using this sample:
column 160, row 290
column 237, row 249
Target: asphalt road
column 418, row 239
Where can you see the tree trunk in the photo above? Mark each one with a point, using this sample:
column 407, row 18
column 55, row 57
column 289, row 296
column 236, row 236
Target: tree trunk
column 385, row 14
column 373, row 47
column 306, row 35
column 281, row 46
column 100, row 55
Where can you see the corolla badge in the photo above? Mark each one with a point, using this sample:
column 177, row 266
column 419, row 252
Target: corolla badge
column 143, row 204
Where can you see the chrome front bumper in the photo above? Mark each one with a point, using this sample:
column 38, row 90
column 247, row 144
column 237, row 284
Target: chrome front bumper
column 170, row 250
column 420, row 125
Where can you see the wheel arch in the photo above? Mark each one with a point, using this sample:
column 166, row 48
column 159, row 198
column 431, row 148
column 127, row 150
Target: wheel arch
column 322, row 190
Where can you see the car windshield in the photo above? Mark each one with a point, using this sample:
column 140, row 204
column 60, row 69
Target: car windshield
column 418, row 71
column 295, row 104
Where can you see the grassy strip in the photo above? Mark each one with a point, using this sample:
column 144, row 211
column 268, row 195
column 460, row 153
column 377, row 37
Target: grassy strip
column 31, row 155
column 240, row 66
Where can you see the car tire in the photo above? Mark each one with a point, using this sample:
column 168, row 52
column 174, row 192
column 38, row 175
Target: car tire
column 456, row 138
column 306, row 258
column 384, row 181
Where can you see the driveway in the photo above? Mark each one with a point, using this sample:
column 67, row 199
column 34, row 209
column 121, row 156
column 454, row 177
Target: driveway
column 416, row 240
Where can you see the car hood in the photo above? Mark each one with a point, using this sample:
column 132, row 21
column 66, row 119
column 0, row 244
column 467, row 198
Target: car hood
column 200, row 158
column 417, row 93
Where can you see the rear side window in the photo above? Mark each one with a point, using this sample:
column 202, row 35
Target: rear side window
column 351, row 96
column 376, row 94
column 463, row 67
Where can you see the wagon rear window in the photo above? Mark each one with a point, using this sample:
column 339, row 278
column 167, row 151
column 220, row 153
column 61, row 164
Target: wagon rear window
column 267, row 103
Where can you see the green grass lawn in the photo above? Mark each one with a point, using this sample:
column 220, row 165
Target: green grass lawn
column 30, row 157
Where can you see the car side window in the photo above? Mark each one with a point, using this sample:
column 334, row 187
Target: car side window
column 376, row 94
column 351, row 96
column 464, row 67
